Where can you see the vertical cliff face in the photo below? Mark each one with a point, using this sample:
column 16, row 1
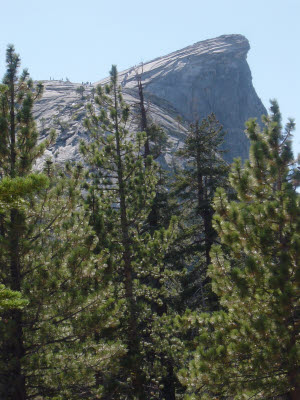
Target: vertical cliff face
column 208, row 76
column 214, row 77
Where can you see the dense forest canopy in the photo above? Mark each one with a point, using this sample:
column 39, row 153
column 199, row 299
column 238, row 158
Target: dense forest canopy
column 119, row 280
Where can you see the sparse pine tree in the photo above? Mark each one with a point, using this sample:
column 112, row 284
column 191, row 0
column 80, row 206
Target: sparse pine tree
column 121, row 189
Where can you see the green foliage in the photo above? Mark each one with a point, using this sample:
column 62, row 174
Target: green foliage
column 10, row 299
column 14, row 190
column 250, row 349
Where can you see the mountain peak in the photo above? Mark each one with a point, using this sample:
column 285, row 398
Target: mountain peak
column 205, row 77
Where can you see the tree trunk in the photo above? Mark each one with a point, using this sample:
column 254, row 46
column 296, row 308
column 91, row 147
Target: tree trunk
column 294, row 380
column 15, row 346
column 144, row 123
column 169, row 391
column 202, row 206
column 132, row 337
column 12, row 130
column 294, row 372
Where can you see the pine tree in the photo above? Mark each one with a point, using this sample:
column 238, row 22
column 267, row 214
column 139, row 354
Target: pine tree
column 80, row 90
column 45, row 254
column 16, row 102
column 121, row 189
column 201, row 171
column 250, row 349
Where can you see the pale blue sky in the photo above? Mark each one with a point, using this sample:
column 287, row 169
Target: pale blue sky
column 81, row 39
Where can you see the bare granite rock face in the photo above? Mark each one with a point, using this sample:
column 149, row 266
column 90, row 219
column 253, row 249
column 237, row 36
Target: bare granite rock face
column 209, row 76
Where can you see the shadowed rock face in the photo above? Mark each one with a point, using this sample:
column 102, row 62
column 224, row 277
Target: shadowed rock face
column 209, row 76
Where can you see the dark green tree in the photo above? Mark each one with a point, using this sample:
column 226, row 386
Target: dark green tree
column 250, row 349
column 200, row 172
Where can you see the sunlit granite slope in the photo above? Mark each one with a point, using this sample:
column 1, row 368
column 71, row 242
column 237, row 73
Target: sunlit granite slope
column 208, row 76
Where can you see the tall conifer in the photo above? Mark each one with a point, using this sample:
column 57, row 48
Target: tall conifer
column 121, row 189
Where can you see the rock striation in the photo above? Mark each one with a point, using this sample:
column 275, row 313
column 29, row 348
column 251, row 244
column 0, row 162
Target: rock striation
column 208, row 76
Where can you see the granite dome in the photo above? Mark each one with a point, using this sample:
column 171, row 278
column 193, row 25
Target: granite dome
column 208, row 76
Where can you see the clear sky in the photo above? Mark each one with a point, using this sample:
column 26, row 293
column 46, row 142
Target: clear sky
column 80, row 39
